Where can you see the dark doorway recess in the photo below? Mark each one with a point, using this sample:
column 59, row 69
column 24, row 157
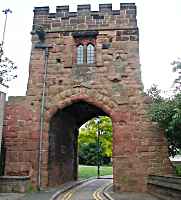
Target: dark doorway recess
column 63, row 140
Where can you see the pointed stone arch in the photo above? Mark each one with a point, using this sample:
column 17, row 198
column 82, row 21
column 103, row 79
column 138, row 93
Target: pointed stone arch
column 102, row 104
column 91, row 96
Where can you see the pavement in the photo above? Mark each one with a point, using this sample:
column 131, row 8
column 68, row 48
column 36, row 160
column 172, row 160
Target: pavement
column 48, row 194
column 51, row 193
column 10, row 196
column 127, row 195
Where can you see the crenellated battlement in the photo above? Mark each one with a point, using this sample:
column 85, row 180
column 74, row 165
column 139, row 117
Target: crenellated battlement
column 84, row 8
column 85, row 18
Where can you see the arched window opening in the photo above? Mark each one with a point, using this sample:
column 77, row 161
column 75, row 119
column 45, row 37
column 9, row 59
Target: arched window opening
column 90, row 54
column 80, row 54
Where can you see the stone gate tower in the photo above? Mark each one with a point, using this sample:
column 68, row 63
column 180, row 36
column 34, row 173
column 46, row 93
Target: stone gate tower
column 83, row 64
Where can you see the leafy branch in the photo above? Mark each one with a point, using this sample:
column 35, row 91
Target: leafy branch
column 167, row 113
column 7, row 68
column 177, row 69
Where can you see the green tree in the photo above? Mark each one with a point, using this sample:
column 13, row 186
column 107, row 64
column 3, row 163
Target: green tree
column 167, row 112
column 88, row 140
column 154, row 92
column 88, row 153
column 7, row 68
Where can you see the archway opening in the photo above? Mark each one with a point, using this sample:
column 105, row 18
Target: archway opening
column 63, row 140
column 95, row 148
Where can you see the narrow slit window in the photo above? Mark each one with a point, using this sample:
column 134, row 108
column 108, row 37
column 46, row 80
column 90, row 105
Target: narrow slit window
column 80, row 54
column 90, row 54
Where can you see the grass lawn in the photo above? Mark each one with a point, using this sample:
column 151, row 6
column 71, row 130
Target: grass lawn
column 91, row 171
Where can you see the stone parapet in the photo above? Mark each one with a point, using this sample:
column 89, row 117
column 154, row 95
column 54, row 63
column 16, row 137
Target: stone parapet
column 165, row 187
column 14, row 184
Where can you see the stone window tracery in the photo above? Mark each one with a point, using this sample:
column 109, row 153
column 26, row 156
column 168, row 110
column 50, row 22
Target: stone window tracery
column 85, row 47
column 90, row 54
column 80, row 54
column 85, row 53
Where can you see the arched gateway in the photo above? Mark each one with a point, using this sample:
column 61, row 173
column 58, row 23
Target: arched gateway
column 83, row 64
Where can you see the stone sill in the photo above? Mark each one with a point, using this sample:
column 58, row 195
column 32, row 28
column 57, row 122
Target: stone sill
column 84, row 65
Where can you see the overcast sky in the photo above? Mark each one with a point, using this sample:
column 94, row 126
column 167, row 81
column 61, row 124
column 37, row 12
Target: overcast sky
column 159, row 23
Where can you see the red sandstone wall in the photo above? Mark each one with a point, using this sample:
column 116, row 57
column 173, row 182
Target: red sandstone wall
column 21, row 132
column 113, row 84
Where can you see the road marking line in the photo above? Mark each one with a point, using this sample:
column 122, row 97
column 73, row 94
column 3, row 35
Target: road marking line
column 106, row 189
column 69, row 196
column 94, row 195
column 97, row 193
column 66, row 196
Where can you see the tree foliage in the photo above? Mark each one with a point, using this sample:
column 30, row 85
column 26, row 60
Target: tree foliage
column 7, row 68
column 167, row 112
column 88, row 141
column 177, row 69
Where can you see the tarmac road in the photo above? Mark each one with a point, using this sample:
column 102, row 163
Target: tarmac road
column 91, row 190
